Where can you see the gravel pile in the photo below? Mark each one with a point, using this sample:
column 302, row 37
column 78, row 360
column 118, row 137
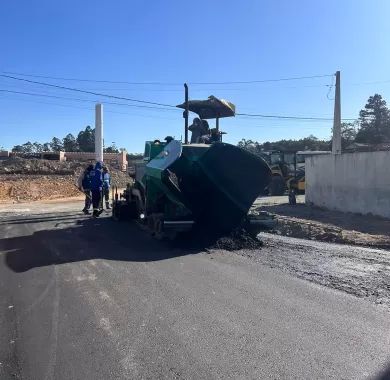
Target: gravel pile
column 238, row 239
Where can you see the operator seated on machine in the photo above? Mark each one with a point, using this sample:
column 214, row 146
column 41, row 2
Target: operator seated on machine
column 214, row 136
column 198, row 128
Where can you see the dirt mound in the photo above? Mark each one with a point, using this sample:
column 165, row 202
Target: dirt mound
column 18, row 165
column 23, row 180
column 119, row 178
column 313, row 230
column 22, row 188
column 307, row 222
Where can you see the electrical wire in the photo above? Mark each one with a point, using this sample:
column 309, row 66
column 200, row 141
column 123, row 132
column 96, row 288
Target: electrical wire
column 287, row 117
column 193, row 83
column 330, row 89
column 92, row 109
column 168, row 83
column 87, row 92
column 160, row 104
column 263, row 80
column 87, row 100
column 247, row 115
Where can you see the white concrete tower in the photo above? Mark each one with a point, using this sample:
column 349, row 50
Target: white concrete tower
column 99, row 132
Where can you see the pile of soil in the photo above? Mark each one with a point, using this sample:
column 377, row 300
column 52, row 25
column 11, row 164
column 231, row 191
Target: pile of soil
column 307, row 222
column 23, row 188
column 23, row 180
column 313, row 230
column 18, row 165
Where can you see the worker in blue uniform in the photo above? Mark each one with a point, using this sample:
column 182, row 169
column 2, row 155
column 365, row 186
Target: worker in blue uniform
column 106, row 186
column 96, row 188
column 85, row 186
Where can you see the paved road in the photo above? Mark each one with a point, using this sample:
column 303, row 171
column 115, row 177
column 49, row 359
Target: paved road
column 86, row 299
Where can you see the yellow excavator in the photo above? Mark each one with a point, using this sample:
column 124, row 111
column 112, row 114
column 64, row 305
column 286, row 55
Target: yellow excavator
column 288, row 172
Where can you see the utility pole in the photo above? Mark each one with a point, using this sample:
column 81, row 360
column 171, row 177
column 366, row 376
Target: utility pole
column 99, row 132
column 186, row 114
column 336, row 141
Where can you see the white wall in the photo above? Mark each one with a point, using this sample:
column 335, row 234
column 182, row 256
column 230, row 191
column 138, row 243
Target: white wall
column 353, row 182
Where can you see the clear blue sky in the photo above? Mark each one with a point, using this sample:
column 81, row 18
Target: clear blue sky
column 197, row 41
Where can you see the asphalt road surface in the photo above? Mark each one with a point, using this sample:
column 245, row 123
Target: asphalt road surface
column 91, row 299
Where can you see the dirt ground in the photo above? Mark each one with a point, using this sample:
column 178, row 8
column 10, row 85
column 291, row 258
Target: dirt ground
column 26, row 180
column 314, row 223
column 33, row 188
column 363, row 272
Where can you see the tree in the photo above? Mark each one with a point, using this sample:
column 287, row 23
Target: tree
column 348, row 134
column 70, row 143
column 86, row 140
column 17, row 149
column 28, row 147
column 134, row 156
column 111, row 149
column 56, row 144
column 308, row 143
column 250, row 145
column 46, row 147
column 37, row 147
column 374, row 121
column 267, row 146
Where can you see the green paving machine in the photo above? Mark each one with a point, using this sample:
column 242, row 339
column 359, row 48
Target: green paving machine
column 181, row 187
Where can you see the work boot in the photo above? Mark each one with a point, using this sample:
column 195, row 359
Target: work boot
column 86, row 211
column 108, row 206
column 96, row 213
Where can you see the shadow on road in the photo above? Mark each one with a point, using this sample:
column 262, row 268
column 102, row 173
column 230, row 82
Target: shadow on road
column 384, row 375
column 86, row 239
column 39, row 219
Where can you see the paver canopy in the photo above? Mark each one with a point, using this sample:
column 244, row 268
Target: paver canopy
column 211, row 108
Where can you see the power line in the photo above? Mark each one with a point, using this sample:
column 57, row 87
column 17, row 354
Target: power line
column 287, row 117
column 162, row 104
column 287, row 126
column 93, row 80
column 169, row 83
column 247, row 115
column 201, row 90
column 86, row 92
column 283, row 117
column 92, row 109
column 194, row 83
column 264, row 80
column 137, row 115
column 330, row 89
column 86, row 100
